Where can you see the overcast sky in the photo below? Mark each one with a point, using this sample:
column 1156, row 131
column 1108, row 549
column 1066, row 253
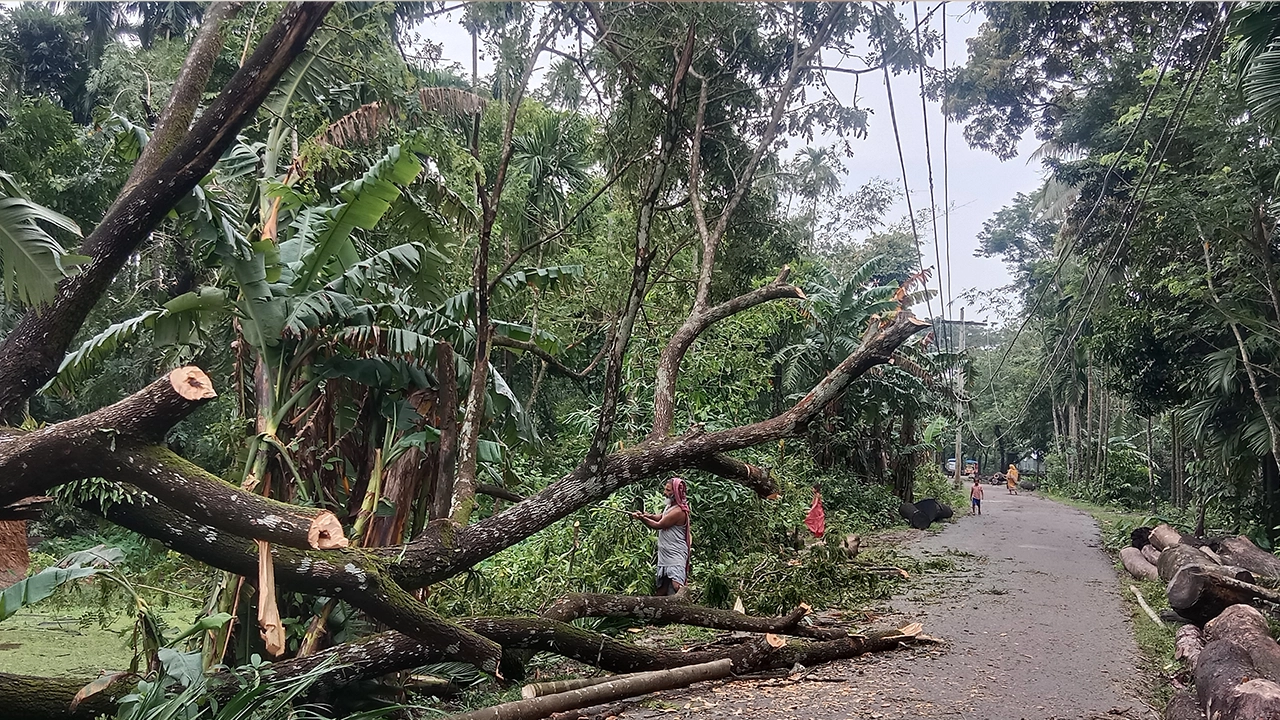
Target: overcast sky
column 979, row 184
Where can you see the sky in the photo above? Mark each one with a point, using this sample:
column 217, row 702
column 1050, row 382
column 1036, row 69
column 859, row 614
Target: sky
column 978, row 183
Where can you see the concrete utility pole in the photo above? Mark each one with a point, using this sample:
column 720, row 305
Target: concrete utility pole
column 959, row 468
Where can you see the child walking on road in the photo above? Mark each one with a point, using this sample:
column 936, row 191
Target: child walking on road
column 975, row 496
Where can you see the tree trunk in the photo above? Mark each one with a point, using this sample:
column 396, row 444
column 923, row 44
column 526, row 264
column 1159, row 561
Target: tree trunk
column 1137, row 565
column 446, row 418
column 14, row 558
column 1236, row 672
column 1241, row 551
column 1183, row 706
column 31, row 352
column 25, row 697
column 631, row 686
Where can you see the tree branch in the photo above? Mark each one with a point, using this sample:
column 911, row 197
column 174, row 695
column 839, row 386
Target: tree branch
column 695, row 324
column 32, row 351
column 118, row 443
column 729, row 468
column 184, row 98
column 354, row 575
column 677, row 610
column 701, row 318
column 552, row 360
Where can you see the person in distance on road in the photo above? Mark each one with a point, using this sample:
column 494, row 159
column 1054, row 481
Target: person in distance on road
column 1011, row 477
column 975, row 497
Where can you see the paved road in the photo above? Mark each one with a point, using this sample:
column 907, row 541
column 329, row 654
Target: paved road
column 1033, row 625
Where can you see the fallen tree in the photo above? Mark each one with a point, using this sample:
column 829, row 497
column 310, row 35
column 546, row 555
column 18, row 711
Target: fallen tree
column 179, row 504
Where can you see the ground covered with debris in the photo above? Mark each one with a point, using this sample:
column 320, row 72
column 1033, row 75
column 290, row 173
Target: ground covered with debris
column 1031, row 623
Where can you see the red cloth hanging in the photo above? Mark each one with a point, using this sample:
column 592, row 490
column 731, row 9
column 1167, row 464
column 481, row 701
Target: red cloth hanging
column 816, row 520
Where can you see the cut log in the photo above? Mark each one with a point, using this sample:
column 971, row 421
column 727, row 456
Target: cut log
column 1165, row 537
column 1183, row 706
column 1246, row 627
column 1176, row 557
column 617, row 689
column 1200, row 594
column 1235, row 672
column 1241, row 551
column 1137, row 565
column 1152, row 555
column 553, row 687
column 1188, row 641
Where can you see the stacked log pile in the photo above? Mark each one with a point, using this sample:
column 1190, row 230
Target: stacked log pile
column 1217, row 586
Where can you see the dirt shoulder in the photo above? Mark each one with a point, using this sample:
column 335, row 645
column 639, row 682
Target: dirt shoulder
column 1032, row 623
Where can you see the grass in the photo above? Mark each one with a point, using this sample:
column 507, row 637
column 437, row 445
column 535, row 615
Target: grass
column 69, row 641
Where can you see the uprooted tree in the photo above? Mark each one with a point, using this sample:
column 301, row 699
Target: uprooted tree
column 692, row 153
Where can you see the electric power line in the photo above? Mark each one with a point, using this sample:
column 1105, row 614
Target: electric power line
column 1106, row 178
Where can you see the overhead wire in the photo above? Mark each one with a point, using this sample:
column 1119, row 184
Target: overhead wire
column 1106, row 178
column 928, row 155
column 1097, row 280
column 946, row 167
column 906, row 190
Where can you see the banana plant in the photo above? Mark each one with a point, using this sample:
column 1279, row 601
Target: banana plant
column 32, row 262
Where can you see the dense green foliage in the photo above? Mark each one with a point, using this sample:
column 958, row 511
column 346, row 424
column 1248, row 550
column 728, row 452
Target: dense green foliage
column 324, row 276
column 1143, row 364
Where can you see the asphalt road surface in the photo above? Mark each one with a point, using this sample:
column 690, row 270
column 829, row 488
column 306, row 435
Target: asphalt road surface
column 1032, row 623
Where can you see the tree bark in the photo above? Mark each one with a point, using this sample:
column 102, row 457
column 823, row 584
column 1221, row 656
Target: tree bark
column 15, row 558
column 1183, row 706
column 675, row 609
column 32, row 351
column 184, row 97
column 1199, row 594
column 1241, row 551
column 631, row 686
column 1236, row 672
column 116, row 443
column 1137, row 565
column 26, row 697
column 1188, row 641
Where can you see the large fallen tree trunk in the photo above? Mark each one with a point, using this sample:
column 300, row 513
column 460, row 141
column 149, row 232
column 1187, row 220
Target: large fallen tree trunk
column 25, row 697
column 676, row 609
column 392, row 651
column 617, row 689
column 1183, row 706
column 1236, row 672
